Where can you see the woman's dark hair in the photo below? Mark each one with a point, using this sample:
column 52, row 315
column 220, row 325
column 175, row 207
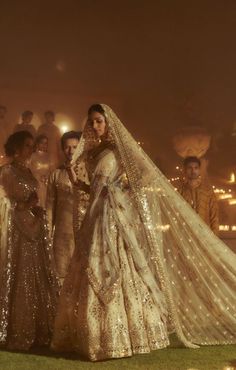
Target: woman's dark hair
column 96, row 108
column 192, row 159
column 70, row 135
column 38, row 140
column 16, row 142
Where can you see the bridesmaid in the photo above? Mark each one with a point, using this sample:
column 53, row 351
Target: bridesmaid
column 28, row 287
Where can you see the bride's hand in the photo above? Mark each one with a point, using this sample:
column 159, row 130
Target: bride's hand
column 74, row 180
column 82, row 186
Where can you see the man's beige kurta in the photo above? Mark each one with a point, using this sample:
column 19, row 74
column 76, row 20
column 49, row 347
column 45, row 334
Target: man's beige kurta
column 65, row 214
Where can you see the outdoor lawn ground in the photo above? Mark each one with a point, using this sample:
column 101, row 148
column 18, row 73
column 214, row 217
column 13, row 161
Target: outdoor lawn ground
column 172, row 358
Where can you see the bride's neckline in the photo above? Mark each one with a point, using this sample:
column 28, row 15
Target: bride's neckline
column 95, row 152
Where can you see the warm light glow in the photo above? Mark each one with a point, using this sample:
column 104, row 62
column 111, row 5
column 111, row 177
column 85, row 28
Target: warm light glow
column 225, row 196
column 232, row 201
column 64, row 122
column 232, row 177
column 219, row 191
column 227, row 228
column 224, row 227
column 64, row 127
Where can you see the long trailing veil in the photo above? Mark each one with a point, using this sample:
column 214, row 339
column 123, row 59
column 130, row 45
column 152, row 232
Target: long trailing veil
column 195, row 269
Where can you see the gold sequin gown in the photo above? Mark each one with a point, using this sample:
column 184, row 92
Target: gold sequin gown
column 144, row 261
column 28, row 290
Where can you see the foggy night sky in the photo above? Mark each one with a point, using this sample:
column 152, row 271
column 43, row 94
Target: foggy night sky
column 165, row 64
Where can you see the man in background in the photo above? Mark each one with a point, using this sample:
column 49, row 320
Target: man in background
column 199, row 194
column 25, row 124
column 53, row 134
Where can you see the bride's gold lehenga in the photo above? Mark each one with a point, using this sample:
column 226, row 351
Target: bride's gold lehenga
column 144, row 262
column 28, row 287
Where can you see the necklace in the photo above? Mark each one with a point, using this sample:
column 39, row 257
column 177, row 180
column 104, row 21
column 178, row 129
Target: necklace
column 19, row 164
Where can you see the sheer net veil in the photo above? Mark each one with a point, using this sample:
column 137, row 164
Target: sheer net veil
column 195, row 270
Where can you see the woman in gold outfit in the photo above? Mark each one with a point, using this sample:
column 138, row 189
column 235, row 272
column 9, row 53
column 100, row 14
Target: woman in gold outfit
column 28, row 286
column 145, row 264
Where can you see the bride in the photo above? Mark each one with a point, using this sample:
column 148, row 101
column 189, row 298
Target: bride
column 145, row 264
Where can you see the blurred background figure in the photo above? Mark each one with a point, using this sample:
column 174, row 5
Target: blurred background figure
column 25, row 124
column 60, row 205
column 53, row 134
column 199, row 194
column 3, row 132
column 41, row 166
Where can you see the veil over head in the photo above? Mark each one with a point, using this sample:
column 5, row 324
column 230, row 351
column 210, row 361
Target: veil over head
column 195, row 269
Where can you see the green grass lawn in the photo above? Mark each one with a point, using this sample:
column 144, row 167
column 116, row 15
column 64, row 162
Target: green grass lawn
column 172, row 358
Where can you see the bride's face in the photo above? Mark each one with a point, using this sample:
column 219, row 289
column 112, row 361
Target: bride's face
column 98, row 122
